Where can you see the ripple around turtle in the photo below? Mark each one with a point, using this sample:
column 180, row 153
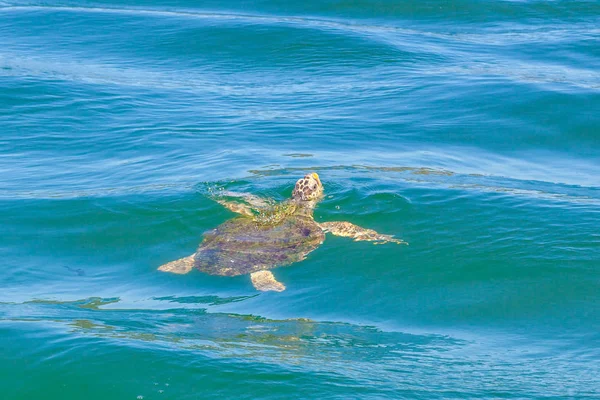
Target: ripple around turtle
column 467, row 128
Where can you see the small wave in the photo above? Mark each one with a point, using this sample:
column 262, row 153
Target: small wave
column 526, row 72
column 342, row 353
column 444, row 178
column 430, row 46
column 98, row 192
column 430, row 176
column 366, row 31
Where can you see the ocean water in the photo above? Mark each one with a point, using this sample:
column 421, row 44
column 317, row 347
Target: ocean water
column 469, row 128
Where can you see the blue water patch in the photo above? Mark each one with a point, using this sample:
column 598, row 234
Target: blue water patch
column 469, row 129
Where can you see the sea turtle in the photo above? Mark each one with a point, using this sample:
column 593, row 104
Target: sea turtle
column 266, row 236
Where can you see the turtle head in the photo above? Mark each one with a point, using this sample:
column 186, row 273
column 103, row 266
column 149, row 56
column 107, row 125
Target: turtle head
column 308, row 188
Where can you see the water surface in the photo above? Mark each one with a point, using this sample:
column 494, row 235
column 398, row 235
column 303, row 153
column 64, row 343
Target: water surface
column 467, row 128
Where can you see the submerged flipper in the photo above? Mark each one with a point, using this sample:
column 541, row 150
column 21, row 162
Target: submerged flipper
column 254, row 203
column 181, row 266
column 237, row 208
column 342, row 228
column 265, row 281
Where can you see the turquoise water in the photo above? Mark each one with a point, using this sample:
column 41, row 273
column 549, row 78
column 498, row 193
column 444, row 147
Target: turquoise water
column 468, row 128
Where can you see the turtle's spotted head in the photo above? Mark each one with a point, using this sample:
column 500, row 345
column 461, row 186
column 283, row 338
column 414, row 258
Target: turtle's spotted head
column 308, row 188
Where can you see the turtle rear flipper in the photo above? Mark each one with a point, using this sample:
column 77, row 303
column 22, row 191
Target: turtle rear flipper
column 265, row 281
column 181, row 266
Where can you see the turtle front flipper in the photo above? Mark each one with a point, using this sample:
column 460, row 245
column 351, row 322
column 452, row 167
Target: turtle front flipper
column 253, row 204
column 346, row 229
column 265, row 281
column 181, row 266
column 238, row 208
column 254, row 201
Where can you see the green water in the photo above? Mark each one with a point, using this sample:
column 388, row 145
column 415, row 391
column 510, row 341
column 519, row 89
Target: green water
column 468, row 128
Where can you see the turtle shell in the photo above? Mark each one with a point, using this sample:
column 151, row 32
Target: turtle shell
column 242, row 246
